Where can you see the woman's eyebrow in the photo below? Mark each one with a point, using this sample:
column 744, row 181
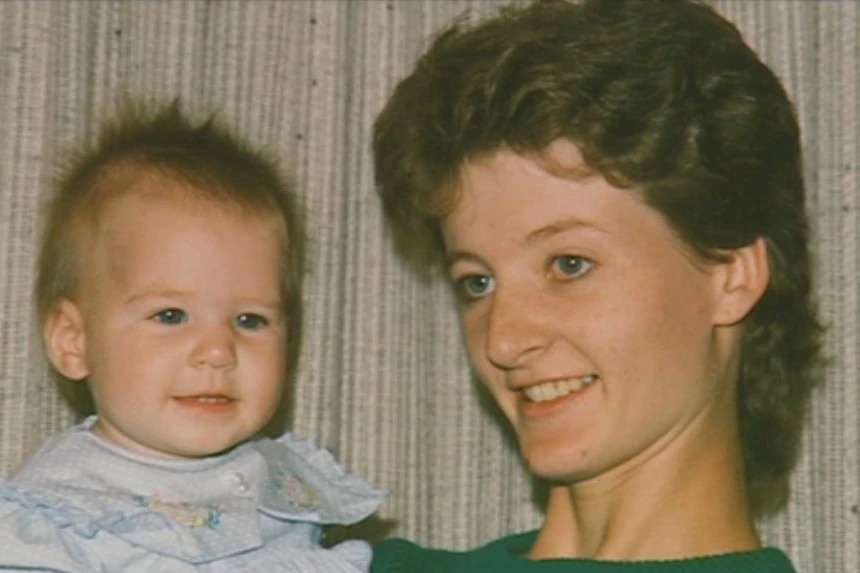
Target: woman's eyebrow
column 457, row 256
column 560, row 226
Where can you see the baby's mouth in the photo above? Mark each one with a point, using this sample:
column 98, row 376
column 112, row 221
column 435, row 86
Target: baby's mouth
column 205, row 399
column 558, row 388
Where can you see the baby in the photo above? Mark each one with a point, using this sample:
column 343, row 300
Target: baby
column 169, row 282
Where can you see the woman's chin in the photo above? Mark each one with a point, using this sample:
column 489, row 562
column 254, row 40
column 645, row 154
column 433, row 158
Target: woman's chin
column 561, row 465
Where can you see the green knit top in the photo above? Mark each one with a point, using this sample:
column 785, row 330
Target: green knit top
column 506, row 556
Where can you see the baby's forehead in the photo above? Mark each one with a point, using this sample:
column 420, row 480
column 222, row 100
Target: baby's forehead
column 147, row 213
column 131, row 201
column 161, row 183
column 162, row 230
column 150, row 185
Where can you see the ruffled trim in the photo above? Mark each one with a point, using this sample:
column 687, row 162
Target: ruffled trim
column 126, row 517
column 308, row 484
column 55, row 509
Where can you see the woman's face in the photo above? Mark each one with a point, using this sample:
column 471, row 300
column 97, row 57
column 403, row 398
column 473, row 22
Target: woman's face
column 593, row 328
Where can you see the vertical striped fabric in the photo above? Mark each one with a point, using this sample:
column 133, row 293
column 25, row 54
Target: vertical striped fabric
column 383, row 380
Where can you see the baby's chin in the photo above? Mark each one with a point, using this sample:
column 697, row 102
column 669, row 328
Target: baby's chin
column 192, row 451
column 189, row 448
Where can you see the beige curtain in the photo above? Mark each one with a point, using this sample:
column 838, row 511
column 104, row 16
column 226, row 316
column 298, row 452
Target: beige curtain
column 382, row 380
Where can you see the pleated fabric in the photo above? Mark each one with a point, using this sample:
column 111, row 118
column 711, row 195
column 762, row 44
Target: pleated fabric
column 383, row 380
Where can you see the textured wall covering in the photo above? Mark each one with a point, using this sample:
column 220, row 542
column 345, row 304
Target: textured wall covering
column 383, row 380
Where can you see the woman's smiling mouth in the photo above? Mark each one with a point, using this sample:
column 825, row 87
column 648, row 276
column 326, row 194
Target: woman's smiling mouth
column 556, row 389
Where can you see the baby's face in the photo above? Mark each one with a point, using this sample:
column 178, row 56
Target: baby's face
column 184, row 325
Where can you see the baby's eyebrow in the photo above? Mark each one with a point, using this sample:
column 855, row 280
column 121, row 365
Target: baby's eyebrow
column 271, row 306
column 166, row 293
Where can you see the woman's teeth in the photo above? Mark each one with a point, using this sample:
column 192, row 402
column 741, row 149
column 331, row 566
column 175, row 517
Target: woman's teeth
column 557, row 389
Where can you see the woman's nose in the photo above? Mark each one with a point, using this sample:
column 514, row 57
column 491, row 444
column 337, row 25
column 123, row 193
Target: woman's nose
column 215, row 348
column 517, row 329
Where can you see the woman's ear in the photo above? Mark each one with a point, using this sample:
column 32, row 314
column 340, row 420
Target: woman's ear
column 65, row 340
column 741, row 282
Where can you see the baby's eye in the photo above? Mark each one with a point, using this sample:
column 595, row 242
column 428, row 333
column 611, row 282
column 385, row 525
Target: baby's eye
column 471, row 287
column 170, row 316
column 571, row 266
column 250, row 321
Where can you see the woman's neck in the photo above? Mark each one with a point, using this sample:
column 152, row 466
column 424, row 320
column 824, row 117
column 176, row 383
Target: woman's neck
column 686, row 499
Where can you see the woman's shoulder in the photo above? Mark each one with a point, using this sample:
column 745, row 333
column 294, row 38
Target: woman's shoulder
column 399, row 555
column 507, row 555
column 500, row 556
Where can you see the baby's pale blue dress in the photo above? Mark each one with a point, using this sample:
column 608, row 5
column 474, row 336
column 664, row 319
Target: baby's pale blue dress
column 83, row 504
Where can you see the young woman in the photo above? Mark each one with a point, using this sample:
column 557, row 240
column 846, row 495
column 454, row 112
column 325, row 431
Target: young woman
column 614, row 190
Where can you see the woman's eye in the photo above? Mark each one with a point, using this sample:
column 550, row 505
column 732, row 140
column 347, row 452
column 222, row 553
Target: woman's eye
column 571, row 266
column 251, row 321
column 170, row 316
column 472, row 287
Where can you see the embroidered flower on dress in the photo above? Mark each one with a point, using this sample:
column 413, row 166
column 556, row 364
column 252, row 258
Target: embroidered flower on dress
column 184, row 513
column 300, row 493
